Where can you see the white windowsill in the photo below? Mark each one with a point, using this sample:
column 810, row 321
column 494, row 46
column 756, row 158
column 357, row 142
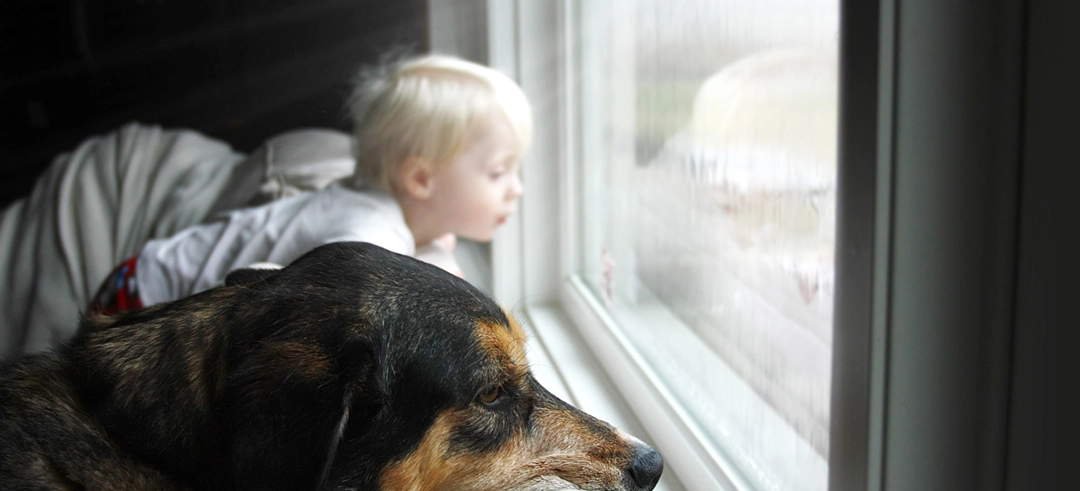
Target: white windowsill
column 563, row 364
column 581, row 357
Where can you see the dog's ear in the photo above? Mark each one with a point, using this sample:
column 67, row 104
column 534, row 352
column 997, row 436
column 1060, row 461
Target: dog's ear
column 290, row 405
column 251, row 275
column 335, row 439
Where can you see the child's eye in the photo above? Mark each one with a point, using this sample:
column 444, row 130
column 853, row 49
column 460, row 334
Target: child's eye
column 503, row 169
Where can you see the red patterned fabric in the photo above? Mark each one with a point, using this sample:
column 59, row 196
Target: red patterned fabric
column 119, row 292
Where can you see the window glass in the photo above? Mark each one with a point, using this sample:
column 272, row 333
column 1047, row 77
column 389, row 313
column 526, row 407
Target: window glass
column 707, row 168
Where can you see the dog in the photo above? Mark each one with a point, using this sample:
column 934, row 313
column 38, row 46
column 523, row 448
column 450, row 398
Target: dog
column 352, row 368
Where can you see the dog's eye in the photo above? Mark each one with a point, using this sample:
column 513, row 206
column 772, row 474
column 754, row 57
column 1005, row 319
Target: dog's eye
column 491, row 395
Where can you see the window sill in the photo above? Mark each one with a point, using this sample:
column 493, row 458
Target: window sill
column 562, row 362
column 581, row 357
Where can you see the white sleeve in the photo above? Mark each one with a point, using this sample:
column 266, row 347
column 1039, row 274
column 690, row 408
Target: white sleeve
column 348, row 215
column 385, row 238
column 440, row 256
column 383, row 231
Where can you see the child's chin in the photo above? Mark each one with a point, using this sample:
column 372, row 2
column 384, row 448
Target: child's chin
column 482, row 237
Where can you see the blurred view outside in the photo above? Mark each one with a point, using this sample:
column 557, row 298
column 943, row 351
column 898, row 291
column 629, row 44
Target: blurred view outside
column 708, row 169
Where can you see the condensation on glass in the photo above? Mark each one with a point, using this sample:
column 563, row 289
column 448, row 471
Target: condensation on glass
column 708, row 177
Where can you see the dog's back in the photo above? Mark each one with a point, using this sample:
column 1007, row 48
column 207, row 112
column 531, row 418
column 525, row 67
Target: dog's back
column 126, row 404
column 48, row 440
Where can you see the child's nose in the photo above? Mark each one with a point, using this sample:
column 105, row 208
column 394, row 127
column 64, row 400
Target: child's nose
column 516, row 188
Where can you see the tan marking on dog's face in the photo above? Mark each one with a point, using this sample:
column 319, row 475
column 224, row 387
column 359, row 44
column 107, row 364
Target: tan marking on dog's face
column 552, row 445
column 560, row 453
column 505, row 345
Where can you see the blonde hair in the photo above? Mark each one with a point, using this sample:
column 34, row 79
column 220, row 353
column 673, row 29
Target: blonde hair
column 426, row 107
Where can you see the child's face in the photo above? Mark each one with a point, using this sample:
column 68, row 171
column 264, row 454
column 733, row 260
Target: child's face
column 478, row 191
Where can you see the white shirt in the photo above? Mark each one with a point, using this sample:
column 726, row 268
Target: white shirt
column 199, row 258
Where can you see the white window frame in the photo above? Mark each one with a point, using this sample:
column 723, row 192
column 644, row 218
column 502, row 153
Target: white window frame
column 923, row 166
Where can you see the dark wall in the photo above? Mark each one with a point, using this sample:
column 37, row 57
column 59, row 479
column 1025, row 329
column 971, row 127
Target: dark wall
column 238, row 70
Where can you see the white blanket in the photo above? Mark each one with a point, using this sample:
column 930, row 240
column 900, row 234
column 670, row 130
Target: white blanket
column 92, row 208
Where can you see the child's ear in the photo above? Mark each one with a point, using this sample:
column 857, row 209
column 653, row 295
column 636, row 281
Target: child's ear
column 417, row 178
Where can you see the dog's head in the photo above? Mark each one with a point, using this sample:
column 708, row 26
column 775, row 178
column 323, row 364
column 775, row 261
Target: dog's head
column 357, row 368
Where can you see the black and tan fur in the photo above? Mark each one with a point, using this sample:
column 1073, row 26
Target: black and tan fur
column 353, row 368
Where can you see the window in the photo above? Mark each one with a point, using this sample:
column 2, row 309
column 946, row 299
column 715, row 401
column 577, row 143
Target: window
column 706, row 180
column 926, row 273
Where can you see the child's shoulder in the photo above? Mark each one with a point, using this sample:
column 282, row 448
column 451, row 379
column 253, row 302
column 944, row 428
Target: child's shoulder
column 342, row 192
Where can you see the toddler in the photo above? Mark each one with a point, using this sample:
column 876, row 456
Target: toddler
column 438, row 142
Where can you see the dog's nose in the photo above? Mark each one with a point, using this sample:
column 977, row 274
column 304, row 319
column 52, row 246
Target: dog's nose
column 646, row 465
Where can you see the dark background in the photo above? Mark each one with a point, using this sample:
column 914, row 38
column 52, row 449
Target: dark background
column 237, row 70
